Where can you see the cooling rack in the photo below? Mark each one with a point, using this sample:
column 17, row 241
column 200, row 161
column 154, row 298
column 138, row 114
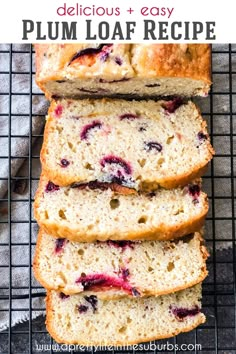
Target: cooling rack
column 218, row 334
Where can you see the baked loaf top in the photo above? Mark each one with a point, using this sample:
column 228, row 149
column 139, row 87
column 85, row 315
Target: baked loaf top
column 87, row 320
column 90, row 212
column 119, row 268
column 137, row 144
column 172, row 60
column 59, row 61
column 63, row 70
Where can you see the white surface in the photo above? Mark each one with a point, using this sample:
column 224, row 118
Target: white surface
column 14, row 11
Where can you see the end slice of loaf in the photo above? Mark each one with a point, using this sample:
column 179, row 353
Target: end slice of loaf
column 120, row 268
column 87, row 215
column 91, row 69
column 87, row 320
column 137, row 144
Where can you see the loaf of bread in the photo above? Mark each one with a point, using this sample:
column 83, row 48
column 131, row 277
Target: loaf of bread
column 93, row 211
column 91, row 69
column 120, row 268
column 137, row 144
column 85, row 319
column 119, row 202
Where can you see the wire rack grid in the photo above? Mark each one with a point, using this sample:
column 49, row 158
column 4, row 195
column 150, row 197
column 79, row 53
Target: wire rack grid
column 22, row 111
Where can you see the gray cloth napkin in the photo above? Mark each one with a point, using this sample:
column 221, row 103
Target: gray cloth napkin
column 20, row 105
column 20, row 126
column 20, row 189
column 20, row 255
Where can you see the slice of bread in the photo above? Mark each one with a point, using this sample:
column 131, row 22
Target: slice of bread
column 138, row 144
column 87, row 320
column 124, row 268
column 136, row 70
column 93, row 212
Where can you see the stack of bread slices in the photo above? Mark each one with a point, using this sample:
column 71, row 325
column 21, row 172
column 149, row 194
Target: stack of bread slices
column 119, row 204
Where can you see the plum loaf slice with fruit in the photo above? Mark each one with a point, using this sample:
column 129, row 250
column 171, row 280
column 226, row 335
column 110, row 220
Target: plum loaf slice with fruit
column 135, row 144
column 86, row 213
column 120, row 268
column 77, row 70
column 85, row 319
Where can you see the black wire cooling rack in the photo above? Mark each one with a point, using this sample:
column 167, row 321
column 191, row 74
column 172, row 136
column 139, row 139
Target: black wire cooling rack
column 218, row 334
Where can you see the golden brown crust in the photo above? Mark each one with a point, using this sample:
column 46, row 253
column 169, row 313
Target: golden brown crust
column 167, row 183
column 103, row 295
column 190, row 61
column 112, row 296
column 173, row 60
column 53, row 63
column 161, row 233
column 40, row 50
column 50, row 320
column 145, row 186
column 36, row 272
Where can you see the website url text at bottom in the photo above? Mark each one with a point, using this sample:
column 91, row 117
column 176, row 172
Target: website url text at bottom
column 136, row 347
